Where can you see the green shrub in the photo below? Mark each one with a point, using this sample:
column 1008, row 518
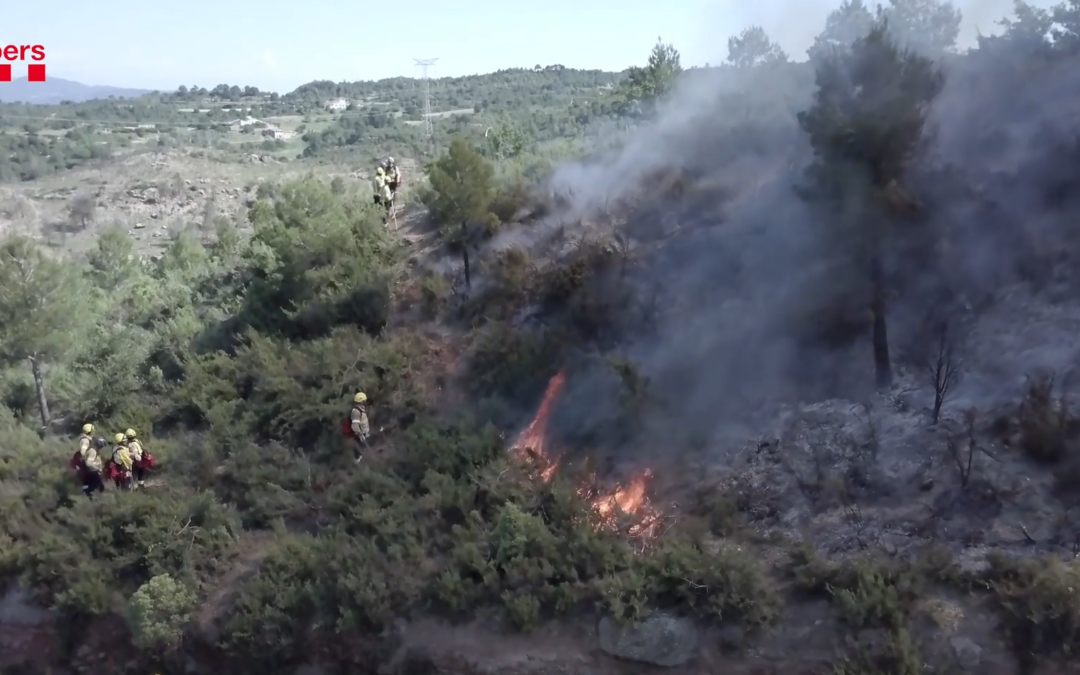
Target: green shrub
column 511, row 280
column 89, row 551
column 157, row 613
column 452, row 525
column 868, row 593
column 1040, row 602
column 513, row 364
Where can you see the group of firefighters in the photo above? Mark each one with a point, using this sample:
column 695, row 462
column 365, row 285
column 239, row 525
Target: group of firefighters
column 128, row 462
column 386, row 184
column 126, row 466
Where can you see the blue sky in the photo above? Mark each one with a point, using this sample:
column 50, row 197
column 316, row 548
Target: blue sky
column 278, row 45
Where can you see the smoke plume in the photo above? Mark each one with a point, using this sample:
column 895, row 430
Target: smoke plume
column 753, row 265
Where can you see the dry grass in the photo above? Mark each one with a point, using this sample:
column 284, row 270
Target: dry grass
column 150, row 194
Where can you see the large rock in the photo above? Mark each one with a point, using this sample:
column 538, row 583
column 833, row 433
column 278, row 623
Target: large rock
column 661, row 639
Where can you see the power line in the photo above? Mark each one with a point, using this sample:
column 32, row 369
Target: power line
column 429, row 127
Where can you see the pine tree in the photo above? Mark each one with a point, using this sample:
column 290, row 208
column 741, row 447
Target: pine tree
column 42, row 310
column 865, row 126
column 461, row 195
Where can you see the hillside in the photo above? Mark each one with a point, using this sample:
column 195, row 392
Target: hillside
column 541, row 115
column 764, row 368
column 56, row 90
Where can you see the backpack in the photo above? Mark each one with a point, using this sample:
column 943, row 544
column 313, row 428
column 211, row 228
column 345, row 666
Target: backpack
column 76, row 462
column 346, row 427
column 147, row 460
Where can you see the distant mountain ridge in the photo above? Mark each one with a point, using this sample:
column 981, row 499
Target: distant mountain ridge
column 55, row 89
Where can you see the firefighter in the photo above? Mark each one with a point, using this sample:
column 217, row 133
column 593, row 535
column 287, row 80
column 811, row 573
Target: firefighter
column 359, row 425
column 87, row 464
column 378, row 184
column 121, row 462
column 86, row 440
column 141, row 460
column 384, row 196
column 393, row 176
column 85, row 444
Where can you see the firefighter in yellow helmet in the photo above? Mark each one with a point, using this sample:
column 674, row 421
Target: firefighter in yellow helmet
column 359, row 425
column 384, row 196
column 378, row 184
column 87, row 465
column 122, row 463
column 393, row 176
column 86, row 440
column 141, row 460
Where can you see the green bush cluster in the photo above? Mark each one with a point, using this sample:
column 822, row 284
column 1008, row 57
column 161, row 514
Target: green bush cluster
column 868, row 593
column 191, row 351
column 1039, row 599
column 237, row 360
column 452, row 526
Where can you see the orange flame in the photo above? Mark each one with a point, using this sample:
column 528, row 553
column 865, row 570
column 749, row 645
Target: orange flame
column 529, row 446
column 611, row 507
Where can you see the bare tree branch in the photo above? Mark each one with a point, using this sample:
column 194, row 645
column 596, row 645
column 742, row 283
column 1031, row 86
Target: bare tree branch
column 962, row 447
column 943, row 365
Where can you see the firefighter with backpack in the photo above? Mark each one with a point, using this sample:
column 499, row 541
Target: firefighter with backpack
column 121, row 464
column 141, row 459
column 86, row 462
column 357, row 427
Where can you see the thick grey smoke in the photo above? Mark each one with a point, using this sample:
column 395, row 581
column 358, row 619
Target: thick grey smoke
column 750, row 265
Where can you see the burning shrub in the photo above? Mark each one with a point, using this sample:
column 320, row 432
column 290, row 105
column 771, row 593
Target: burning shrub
column 456, row 524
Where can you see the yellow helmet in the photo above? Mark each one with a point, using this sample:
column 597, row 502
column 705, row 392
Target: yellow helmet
column 360, row 397
column 118, row 438
column 88, row 428
column 130, row 433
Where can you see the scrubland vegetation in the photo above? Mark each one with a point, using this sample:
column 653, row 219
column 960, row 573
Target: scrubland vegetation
column 237, row 351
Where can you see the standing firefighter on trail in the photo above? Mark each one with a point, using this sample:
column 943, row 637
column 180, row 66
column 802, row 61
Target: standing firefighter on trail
column 86, row 441
column 121, row 464
column 356, row 425
column 384, row 196
column 393, row 176
column 86, row 462
column 141, row 460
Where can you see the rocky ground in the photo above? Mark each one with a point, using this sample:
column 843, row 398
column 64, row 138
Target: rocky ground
column 152, row 195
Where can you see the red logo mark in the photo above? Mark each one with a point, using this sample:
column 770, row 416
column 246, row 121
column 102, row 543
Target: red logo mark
column 35, row 72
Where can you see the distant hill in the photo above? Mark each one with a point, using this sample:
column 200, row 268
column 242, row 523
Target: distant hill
column 55, row 89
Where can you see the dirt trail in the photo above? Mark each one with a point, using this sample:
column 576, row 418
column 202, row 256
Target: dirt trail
column 413, row 226
column 249, row 553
